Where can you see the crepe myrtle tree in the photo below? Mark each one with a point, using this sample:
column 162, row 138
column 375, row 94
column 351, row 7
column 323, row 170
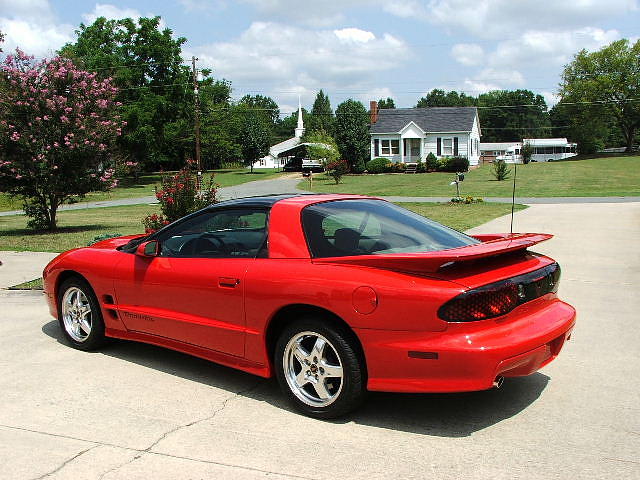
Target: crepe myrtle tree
column 56, row 133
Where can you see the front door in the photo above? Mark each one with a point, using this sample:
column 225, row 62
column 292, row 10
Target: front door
column 193, row 291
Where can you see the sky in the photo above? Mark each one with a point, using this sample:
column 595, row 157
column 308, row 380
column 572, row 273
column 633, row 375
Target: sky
column 354, row 48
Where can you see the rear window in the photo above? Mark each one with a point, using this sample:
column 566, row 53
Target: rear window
column 373, row 227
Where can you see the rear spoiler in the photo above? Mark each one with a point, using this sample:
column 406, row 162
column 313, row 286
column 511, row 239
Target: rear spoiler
column 492, row 245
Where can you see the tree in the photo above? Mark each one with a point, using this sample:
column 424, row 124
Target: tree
column 511, row 115
column 156, row 89
column 527, row 152
column 388, row 103
column 56, row 140
column 440, row 98
column 265, row 106
column 352, row 134
column 322, row 118
column 321, row 146
column 254, row 140
column 607, row 81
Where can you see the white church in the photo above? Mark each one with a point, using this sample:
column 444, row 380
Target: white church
column 278, row 154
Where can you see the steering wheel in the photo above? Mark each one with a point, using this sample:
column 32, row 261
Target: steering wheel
column 202, row 244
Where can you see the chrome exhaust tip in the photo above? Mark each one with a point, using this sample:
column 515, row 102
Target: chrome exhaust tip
column 497, row 383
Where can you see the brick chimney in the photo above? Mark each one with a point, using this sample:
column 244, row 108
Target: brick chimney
column 373, row 111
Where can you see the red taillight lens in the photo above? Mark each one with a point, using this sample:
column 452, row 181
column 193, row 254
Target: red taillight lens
column 481, row 303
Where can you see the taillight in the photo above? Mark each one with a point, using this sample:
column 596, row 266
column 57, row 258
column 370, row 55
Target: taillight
column 481, row 303
column 500, row 298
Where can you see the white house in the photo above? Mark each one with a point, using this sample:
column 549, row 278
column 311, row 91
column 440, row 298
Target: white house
column 277, row 156
column 410, row 134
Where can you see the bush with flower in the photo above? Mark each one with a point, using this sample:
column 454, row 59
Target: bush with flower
column 58, row 124
column 179, row 195
column 154, row 222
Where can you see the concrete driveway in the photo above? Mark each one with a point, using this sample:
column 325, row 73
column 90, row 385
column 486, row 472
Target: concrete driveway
column 137, row 411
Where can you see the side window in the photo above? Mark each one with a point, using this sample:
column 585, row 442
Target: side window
column 232, row 233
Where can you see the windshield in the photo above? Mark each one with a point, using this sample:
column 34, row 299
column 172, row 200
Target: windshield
column 374, row 227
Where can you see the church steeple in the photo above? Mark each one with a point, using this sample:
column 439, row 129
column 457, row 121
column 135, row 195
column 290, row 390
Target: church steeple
column 300, row 127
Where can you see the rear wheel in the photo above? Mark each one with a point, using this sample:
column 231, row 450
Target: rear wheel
column 79, row 315
column 319, row 369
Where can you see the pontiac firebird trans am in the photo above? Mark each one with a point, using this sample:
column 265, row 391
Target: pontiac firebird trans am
column 333, row 294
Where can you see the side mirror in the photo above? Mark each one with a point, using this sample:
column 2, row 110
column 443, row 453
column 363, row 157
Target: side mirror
column 148, row 249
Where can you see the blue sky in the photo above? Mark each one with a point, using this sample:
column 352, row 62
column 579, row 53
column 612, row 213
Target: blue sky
column 355, row 48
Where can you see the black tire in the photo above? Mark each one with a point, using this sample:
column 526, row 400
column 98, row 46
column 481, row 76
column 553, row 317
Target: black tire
column 78, row 337
column 343, row 394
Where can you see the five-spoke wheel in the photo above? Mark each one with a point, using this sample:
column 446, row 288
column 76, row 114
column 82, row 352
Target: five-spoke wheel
column 319, row 367
column 79, row 314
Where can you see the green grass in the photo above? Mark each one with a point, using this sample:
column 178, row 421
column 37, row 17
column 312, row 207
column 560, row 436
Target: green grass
column 614, row 176
column 35, row 284
column 76, row 228
column 460, row 216
column 146, row 183
column 79, row 227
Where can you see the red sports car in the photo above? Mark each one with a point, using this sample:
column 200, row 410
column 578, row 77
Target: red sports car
column 333, row 294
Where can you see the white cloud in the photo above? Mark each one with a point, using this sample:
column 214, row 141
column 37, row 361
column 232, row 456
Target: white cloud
column 405, row 8
column 32, row 26
column 551, row 49
column 319, row 13
column 284, row 61
column 499, row 18
column 354, row 35
column 468, row 54
column 111, row 12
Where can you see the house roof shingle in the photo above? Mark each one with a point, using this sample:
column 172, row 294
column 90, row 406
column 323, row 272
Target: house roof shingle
column 430, row 119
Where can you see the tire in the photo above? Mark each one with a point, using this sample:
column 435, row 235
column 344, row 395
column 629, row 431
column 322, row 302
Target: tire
column 319, row 369
column 79, row 315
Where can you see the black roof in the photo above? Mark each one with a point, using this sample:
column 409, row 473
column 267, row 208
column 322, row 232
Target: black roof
column 429, row 119
column 257, row 201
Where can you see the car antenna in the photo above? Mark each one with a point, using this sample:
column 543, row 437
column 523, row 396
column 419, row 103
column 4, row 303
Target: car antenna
column 513, row 192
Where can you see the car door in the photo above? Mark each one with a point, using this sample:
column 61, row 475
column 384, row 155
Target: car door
column 193, row 291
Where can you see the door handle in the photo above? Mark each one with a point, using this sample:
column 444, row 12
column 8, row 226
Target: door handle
column 228, row 282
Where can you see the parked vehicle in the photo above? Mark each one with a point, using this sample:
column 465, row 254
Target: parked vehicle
column 334, row 295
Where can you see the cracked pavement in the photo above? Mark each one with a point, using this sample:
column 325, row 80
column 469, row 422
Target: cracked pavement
column 135, row 411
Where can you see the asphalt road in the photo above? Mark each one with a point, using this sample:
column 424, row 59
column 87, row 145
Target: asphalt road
column 136, row 411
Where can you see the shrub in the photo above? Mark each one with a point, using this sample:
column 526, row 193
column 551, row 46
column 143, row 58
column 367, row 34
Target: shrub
column 179, row 194
column 431, row 162
column 398, row 167
column 421, row 167
column 337, row 169
column 453, row 164
column 378, row 165
column 358, row 167
column 500, row 170
column 467, row 200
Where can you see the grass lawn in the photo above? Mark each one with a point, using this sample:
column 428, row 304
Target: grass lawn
column 599, row 177
column 146, row 183
column 78, row 227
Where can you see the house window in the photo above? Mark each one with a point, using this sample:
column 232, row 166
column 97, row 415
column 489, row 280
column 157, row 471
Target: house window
column 389, row 147
column 447, row 146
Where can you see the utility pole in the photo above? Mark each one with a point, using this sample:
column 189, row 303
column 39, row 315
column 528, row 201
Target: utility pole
column 196, row 97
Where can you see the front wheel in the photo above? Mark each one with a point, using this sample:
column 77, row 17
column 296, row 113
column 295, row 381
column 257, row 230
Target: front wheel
column 79, row 315
column 319, row 369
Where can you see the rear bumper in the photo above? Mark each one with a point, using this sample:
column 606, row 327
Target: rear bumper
column 468, row 356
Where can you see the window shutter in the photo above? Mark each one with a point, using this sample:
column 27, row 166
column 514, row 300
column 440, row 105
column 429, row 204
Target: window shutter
column 376, row 147
column 455, row 146
column 439, row 147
